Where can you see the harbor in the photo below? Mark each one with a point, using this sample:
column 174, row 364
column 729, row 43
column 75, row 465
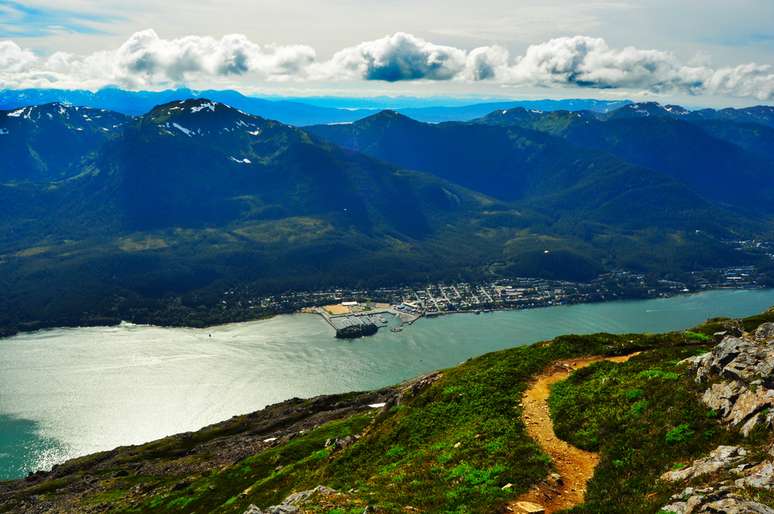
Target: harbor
column 351, row 319
column 358, row 313
column 144, row 382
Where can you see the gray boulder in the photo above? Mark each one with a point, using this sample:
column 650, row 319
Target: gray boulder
column 713, row 501
column 765, row 332
column 274, row 509
column 760, row 476
column 292, row 504
column 745, row 395
column 722, row 457
column 747, row 409
column 302, row 496
column 722, row 396
column 736, row 358
column 735, row 505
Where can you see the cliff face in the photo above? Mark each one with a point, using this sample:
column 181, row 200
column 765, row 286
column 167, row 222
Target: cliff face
column 457, row 440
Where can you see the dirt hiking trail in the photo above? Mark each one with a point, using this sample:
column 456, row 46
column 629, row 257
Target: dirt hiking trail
column 566, row 487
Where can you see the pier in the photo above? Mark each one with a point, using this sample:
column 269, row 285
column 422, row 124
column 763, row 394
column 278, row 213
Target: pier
column 351, row 320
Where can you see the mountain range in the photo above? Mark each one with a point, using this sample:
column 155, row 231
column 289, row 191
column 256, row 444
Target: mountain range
column 105, row 215
column 297, row 111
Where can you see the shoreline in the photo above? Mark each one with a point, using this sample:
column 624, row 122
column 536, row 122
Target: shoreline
column 288, row 351
column 227, row 442
column 4, row 335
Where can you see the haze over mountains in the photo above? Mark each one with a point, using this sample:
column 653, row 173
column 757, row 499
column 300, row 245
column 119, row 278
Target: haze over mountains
column 294, row 111
column 106, row 215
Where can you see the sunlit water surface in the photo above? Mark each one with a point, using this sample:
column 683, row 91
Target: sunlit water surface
column 69, row 392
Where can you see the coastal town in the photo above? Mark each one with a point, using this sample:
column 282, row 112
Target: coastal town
column 360, row 312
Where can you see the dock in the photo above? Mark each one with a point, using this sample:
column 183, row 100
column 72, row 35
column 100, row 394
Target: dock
column 356, row 324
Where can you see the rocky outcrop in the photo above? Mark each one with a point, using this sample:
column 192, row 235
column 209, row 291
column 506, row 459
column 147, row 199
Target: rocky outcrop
column 739, row 373
column 275, row 509
column 760, row 476
column 294, row 503
column 711, row 500
column 722, row 457
column 732, row 493
column 765, row 332
column 341, row 443
column 734, row 462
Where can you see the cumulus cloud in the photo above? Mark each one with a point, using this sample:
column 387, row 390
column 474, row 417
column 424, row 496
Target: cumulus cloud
column 397, row 57
column 403, row 56
column 486, row 62
column 146, row 60
column 589, row 62
column 751, row 80
column 13, row 58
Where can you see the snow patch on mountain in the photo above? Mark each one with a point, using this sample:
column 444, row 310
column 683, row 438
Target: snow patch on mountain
column 207, row 105
column 187, row 132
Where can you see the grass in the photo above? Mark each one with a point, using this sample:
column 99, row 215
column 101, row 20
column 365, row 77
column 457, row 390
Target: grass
column 452, row 446
column 644, row 418
column 264, row 479
column 697, row 336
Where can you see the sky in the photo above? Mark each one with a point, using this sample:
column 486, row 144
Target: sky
column 694, row 52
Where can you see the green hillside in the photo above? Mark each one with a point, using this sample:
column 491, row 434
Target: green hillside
column 452, row 441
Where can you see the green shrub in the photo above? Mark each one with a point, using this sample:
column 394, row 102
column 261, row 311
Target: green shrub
column 659, row 374
column 697, row 336
column 680, row 434
column 639, row 407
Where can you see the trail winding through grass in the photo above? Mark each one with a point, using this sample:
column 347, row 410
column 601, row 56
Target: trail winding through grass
column 574, row 466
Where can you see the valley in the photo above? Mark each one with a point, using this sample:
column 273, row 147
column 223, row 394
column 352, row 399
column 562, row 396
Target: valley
column 223, row 201
column 336, row 257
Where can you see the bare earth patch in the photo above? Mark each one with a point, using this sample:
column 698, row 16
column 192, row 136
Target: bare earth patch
column 337, row 309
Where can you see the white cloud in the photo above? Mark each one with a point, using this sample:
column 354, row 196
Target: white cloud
column 589, row 62
column 746, row 80
column 486, row 62
column 13, row 58
column 147, row 61
column 397, row 57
